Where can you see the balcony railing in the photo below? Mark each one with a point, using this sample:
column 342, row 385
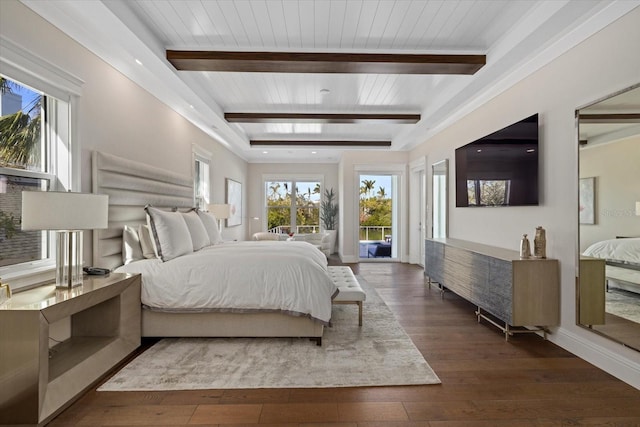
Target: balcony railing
column 367, row 232
column 299, row 229
column 375, row 232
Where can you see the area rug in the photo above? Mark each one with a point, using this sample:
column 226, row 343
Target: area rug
column 378, row 353
column 624, row 304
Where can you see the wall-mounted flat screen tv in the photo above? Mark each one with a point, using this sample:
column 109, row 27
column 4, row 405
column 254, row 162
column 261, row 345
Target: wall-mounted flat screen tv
column 500, row 169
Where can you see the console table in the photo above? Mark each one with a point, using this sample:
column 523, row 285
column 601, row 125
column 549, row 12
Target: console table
column 518, row 292
column 103, row 323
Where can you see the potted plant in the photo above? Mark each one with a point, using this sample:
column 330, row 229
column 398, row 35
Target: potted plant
column 329, row 216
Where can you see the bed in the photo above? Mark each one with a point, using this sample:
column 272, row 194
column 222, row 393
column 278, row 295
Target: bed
column 622, row 258
column 262, row 269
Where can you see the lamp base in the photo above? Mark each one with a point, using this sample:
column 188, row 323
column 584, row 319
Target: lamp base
column 69, row 259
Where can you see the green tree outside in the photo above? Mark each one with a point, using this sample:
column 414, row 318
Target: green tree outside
column 375, row 210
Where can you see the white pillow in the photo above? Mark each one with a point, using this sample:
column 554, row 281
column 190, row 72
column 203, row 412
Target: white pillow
column 131, row 248
column 199, row 235
column 169, row 232
column 211, row 225
column 146, row 242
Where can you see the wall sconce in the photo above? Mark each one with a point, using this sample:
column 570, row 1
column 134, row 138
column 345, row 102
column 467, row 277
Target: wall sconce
column 68, row 214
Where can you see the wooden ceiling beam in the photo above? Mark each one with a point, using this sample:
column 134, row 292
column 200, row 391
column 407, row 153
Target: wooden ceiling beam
column 321, row 118
column 609, row 118
column 318, row 143
column 306, row 62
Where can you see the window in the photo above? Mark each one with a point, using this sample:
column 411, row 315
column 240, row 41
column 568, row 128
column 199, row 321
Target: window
column 201, row 180
column 293, row 206
column 34, row 156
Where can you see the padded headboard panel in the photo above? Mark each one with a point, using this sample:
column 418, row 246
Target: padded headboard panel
column 131, row 186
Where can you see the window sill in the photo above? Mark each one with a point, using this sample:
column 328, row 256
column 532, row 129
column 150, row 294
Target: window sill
column 21, row 280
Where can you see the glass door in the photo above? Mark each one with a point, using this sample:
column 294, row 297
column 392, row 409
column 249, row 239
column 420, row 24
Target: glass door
column 378, row 215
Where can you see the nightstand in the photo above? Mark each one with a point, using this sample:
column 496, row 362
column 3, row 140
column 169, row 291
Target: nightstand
column 36, row 381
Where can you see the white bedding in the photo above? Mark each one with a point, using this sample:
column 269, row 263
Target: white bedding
column 618, row 250
column 288, row 277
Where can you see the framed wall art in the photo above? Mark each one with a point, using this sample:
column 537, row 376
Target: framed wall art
column 234, row 200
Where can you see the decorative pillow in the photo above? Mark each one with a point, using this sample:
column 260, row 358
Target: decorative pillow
column 146, row 242
column 169, row 232
column 199, row 235
column 131, row 248
column 211, row 225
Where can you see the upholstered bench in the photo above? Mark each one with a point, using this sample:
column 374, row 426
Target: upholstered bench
column 350, row 290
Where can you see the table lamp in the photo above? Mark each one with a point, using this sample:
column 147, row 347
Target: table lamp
column 68, row 214
column 221, row 211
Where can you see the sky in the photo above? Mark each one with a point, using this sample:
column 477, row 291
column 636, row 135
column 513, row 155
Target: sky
column 383, row 181
column 28, row 96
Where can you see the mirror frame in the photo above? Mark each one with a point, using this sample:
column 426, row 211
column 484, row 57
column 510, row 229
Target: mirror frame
column 579, row 268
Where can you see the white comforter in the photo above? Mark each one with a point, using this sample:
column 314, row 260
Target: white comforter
column 289, row 277
column 620, row 250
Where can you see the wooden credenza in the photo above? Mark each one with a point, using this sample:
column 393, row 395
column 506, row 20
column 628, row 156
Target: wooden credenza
column 518, row 292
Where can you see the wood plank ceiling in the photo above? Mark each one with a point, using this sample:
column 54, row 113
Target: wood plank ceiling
column 465, row 28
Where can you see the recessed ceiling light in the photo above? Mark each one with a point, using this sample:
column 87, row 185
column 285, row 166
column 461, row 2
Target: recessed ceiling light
column 479, row 150
column 191, row 106
column 531, row 150
column 314, row 152
column 138, row 61
column 265, row 152
column 324, row 91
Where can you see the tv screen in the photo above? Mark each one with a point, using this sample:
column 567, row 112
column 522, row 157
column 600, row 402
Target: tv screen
column 500, row 169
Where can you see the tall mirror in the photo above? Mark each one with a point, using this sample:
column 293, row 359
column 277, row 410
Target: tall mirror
column 609, row 194
column 440, row 173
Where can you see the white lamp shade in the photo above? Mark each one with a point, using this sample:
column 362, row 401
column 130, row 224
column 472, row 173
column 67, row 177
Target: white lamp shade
column 221, row 211
column 49, row 210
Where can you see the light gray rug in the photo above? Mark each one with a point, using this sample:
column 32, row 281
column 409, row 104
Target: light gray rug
column 624, row 304
column 378, row 353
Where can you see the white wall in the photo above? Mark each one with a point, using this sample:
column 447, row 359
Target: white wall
column 328, row 174
column 115, row 115
column 601, row 65
column 616, row 167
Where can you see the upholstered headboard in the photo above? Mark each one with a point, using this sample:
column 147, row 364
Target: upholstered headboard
column 131, row 185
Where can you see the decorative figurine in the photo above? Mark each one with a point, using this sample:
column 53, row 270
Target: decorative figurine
column 540, row 243
column 525, row 247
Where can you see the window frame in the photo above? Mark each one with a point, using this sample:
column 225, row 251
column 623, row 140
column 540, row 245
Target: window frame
column 293, row 208
column 60, row 90
column 200, row 155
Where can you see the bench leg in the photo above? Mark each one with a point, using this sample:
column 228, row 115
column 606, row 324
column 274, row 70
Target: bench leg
column 359, row 313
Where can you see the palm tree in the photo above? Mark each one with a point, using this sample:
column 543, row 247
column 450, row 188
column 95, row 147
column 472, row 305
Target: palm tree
column 20, row 132
column 382, row 194
column 367, row 186
column 275, row 188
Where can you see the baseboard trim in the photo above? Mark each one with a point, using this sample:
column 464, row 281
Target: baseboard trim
column 350, row 259
column 612, row 362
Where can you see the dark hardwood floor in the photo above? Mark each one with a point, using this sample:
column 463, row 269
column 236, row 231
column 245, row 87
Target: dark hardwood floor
column 485, row 381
